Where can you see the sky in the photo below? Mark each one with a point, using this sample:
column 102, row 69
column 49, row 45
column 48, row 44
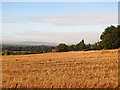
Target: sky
column 57, row 22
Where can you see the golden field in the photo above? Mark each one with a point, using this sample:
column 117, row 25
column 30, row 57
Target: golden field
column 81, row 69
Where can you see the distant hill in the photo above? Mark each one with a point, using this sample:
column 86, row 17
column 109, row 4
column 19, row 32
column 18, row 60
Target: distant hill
column 28, row 43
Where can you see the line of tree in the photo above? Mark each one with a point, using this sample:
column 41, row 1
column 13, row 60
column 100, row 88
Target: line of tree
column 15, row 50
column 110, row 39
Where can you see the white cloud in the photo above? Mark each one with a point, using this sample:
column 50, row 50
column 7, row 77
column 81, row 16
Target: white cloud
column 74, row 19
column 78, row 19
column 11, row 20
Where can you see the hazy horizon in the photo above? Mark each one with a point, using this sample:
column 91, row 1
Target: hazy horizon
column 57, row 22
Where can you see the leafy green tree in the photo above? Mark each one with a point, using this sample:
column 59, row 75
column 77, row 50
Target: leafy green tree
column 99, row 46
column 62, row 48
column 44, row 49
column 80, row 46
column 94, row 46
column 118, row 35
column 88, row 47
column 71, row 48
column 111, row 37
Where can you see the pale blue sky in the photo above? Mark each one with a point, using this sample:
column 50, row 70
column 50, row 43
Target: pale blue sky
column 40, row 21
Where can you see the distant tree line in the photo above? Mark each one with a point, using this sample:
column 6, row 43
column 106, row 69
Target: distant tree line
column 14, row 50
column 110, row 39
column 81, row 46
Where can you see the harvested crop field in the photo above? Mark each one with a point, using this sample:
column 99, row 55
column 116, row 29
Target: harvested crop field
column 82, row 69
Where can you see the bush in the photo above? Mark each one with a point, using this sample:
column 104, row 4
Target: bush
column 6, row 52
column 62, row 48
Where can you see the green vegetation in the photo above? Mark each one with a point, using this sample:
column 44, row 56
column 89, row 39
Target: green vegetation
column 15, row 50
column 6, row 52
column 62, row 48
column 110, row 39
column 80, row 46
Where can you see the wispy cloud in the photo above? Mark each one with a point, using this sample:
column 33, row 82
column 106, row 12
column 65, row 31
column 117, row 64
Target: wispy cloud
column 11, row 20
column 78, row 19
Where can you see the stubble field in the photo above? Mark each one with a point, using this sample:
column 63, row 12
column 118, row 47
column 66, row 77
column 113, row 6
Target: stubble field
column 82, row 69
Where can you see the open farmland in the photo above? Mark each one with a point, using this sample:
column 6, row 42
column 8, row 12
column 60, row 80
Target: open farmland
column 82, row 69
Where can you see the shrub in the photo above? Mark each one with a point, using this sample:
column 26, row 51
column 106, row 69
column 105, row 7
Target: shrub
column 6, row 52
column 62, row 48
